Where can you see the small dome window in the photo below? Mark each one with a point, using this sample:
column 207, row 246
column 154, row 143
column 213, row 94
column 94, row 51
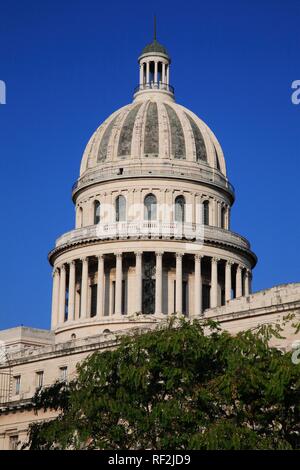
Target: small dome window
column 179, row 209
column 150, row 207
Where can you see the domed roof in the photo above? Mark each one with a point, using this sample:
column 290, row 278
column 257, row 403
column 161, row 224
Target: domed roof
column 154, row 129
column 155, row 47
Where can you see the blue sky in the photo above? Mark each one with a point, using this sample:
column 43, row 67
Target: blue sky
column 69, row 64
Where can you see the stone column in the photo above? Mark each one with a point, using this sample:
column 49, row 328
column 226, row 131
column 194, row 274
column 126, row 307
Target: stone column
column 62, row 294
column 71, row 300
column 138, row 280
column 219, row 208
column 147, row 72
column 215, row 211
column 250, row 282
column 158, row 283
column 198, row 286
column 118, row 301
column 84, row 288
column 247, row 282
column 168, row 74
column 179, row 283
column 55, row 298
column 141, row 74
column 155, row 72
column 100, row 287
column 163, row 75
column 238, row 287
column 228, row 280
column 214, row 283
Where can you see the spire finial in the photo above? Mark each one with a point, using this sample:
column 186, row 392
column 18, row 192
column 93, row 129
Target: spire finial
column 154, row 27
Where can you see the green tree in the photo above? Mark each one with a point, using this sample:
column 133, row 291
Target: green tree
column 183, row 386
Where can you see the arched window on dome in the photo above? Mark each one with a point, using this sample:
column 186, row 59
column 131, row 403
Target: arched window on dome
column 97, row 209
column 179, row 209
column 206, row 213
column 150, row 207
column 223, row 217
column 120, row 209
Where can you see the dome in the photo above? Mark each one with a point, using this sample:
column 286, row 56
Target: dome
column 154, row 128
column 155, row 47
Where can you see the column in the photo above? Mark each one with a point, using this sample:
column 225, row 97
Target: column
column 100, row 287
column 218, row 220
column 71, row 299
column 62, row 294
column 168, row 74
column 163, row 75
column 179, row 283
column 118, row 301
column 141, row 74
column 84, row 288
column 250, row 282
column 215, row 213
column 155, row 72
column 238, row 287
column 158, row 283
column 147, row 72
column 228, row 280
column 247, row 282
column 138, row 280
column 198, row 286
column 55, row 298
column 214, row 283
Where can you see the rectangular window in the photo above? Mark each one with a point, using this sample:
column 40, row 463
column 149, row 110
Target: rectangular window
column 123, row 297
column 93, row 300
column 113, row 293
column 184, row 297
column 174, row 299
column 63, row 371
column 13, row 442
column 66, row 305
column 17, row 382
column 205, row 296
column 223, row 297
column 39, row 379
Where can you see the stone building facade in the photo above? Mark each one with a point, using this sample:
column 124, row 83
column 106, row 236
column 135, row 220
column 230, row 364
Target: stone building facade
column 152, row 238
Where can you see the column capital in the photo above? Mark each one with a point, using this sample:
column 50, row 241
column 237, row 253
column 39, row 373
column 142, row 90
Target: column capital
column 239, row 267
column 198, row 257
column 84, row 259
column 119, row 254
column 100, row 257
column 159, row 253
column 215, row 259
column 54, row 271
column 138, row 253
column 72, row 263
column 229, row 262
column 62, row 267
column 179, row 255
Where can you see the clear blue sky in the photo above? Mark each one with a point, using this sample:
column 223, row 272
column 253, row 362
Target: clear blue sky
column 69, row 64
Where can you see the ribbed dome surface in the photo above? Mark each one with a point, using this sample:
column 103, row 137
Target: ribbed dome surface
column 157, row 129
column 155, row 46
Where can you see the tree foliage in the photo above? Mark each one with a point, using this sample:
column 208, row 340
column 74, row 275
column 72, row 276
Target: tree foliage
column 187, row 386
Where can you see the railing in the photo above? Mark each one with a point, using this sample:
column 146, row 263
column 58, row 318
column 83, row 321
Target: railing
column 194, row 174
column 153, row 229
column 154, row 86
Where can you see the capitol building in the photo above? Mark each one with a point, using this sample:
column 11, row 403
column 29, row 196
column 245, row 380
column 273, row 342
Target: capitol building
column 151, row 239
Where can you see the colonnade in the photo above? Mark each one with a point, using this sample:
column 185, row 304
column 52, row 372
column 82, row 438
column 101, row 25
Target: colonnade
column 64, row 286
